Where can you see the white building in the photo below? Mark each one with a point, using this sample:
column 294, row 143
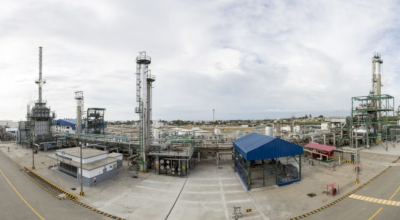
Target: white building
column 184, row 132
column 97, row 165
column 202, row 133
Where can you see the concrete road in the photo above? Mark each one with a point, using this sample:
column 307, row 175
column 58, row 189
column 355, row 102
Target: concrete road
column 386, row 187
column 20, row 198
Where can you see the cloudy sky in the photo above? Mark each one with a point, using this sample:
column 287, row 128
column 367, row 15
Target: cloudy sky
column 246, row 59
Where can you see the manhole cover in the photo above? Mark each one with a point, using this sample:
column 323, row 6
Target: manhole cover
column 73, row 188
column 311, row 194
column 220, row 168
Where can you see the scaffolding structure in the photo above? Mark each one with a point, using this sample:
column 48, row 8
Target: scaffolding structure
column 369, row 119
column 95, row 123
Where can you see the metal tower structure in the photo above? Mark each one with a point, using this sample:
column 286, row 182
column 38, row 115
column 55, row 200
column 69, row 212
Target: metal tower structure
column 40, row 81
column 369, row 114
column 40, row 117
column 79, row 108
column 144, row 81
column 376, row 82
column 95, row 123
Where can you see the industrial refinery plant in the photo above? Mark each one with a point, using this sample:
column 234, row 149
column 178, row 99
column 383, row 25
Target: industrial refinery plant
column 234, row 169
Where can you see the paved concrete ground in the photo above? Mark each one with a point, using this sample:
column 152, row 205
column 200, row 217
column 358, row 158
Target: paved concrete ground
column 385, row 187
column 209, row 192
column 31, row 201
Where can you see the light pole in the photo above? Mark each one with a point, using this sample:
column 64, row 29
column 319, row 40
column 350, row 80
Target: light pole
column 81, row 193
column 79, row 105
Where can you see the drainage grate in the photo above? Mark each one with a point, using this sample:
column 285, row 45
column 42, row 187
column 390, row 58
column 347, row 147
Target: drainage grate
column 311, row 194
column 220, row 168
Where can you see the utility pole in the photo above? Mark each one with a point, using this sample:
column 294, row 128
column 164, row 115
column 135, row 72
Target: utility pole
column 357, row 163
column 81, row 193
column 79, row 102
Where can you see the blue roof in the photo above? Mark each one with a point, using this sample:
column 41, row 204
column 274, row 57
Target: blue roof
column 68, row 122
column 256, row 146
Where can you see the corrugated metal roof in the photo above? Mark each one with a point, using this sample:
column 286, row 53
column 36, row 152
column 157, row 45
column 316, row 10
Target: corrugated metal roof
column 69, row 122
column 256, row 146
column 320, row 147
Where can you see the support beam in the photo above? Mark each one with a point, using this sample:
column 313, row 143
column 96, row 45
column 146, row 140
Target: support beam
column 248, row 174
column 300, row 167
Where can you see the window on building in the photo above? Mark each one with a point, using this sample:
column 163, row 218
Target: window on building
column 69, row 167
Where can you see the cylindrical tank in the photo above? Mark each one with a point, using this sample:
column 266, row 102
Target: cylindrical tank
column 269, row 131
column 217, row 131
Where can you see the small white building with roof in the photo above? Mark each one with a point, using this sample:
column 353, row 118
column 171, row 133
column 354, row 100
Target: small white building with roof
column 97, row 165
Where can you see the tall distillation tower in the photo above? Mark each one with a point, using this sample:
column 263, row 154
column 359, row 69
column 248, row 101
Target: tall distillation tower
column 376, row 77
column 144, row 81
column 376, row 86
column 40, row 118
column 79, row 108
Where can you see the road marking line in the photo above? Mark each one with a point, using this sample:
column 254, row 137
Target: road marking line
column 395, row 193
column 22, row 198
column 377, row 212
column 375, row 200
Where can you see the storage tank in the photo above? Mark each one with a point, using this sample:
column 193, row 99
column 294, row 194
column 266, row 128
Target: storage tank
column 269, row 131
column 217, row 131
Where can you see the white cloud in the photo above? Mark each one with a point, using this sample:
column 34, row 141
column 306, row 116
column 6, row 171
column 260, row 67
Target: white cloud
column 247, row 59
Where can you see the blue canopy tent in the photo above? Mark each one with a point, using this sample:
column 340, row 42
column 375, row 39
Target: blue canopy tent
column 255, row 147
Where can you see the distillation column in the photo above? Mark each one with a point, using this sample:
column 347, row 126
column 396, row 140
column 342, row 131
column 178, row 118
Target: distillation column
column 79, row 102
column 144, row 98
column 41, row 81
column 376, row 90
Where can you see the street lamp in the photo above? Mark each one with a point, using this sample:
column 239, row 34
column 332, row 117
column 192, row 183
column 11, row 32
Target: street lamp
column 79, row 105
